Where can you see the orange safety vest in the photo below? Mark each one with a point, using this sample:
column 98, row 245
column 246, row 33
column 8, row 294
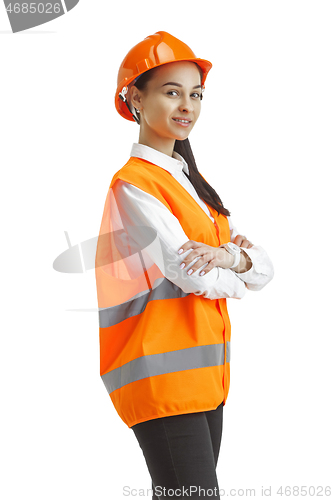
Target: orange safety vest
column 162, row 351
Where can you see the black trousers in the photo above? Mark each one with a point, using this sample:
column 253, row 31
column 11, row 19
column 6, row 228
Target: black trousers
column 181, row 453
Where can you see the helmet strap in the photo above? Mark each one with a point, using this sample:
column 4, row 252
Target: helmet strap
column 122, row 96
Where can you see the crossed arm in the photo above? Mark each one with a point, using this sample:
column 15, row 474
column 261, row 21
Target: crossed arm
column 138, row 208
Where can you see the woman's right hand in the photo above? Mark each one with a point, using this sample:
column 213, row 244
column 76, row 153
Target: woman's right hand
column 241, row 241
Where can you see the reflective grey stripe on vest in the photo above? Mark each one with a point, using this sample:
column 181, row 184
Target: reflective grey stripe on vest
column 111, row 316
column 166, row 362
column 228, row 352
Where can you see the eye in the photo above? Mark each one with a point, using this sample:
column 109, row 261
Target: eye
column 197, row 93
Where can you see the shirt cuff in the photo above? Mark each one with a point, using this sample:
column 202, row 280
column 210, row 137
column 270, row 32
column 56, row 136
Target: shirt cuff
column 247, row 276
column 261, row 265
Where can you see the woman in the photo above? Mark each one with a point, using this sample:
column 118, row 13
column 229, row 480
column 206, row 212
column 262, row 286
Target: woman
column 164, row 329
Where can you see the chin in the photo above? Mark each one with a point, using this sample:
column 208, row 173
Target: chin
column 181, row 137
column 185, row 136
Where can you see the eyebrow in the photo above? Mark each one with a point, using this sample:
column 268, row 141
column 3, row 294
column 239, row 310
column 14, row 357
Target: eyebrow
column 178, row 85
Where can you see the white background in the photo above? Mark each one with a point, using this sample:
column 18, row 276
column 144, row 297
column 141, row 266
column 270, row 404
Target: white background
column 264, row 141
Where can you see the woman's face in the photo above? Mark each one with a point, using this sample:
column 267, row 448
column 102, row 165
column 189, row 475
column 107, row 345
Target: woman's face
column 162, row 102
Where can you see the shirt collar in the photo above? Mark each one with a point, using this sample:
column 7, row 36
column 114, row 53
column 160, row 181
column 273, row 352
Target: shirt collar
column 172, row 164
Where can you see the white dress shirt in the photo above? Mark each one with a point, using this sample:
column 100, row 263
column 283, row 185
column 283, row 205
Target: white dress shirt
column 138, row 208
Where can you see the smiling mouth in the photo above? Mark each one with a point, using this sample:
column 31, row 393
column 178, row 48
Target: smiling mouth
column 182, row 120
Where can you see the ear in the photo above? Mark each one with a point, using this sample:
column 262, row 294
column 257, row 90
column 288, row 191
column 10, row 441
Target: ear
column 135, row 97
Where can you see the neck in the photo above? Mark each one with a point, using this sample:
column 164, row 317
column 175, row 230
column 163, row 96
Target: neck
column 163, row 144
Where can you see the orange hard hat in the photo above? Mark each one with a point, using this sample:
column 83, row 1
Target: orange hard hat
column 154, row 50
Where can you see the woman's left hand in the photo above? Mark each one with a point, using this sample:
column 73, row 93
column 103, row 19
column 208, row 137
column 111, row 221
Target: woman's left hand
column 212, row 256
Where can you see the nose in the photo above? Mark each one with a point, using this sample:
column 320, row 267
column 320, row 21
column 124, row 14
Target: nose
column 186, row 104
